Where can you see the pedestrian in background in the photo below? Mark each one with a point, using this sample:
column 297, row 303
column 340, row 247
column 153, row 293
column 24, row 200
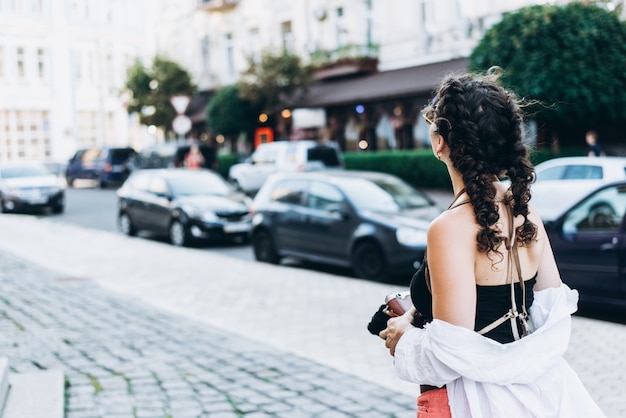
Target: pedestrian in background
column 493, row 344
column 194, row 158
column 593, row 148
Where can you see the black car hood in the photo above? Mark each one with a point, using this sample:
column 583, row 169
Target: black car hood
column 213, row 203
column 419, row 218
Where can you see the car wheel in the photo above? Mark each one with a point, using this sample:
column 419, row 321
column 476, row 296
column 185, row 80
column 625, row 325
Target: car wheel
column 126, row 224
column 3, row 207
column 368, row 261
column 264, row 248
column 102, row 184
column 70, row 181
column 58, row 208
column 178, row 234
column 602, row 216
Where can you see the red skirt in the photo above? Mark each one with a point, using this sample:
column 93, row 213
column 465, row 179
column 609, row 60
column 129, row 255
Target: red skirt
column 433, row 404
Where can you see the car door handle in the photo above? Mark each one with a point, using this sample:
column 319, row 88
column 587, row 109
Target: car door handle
column 609, row 247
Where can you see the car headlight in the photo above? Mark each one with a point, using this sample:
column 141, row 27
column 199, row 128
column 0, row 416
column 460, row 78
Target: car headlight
column 209, row 217
column 190, row 210
column 13, row 192
column 411, row 237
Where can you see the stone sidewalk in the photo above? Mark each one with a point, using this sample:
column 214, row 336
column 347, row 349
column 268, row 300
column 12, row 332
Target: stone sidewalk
column 122, row 358
column 291, row 314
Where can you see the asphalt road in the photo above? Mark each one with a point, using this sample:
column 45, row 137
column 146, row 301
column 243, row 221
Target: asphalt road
column 95, row 208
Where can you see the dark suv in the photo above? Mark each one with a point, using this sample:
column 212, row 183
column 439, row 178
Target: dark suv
column 106, row 165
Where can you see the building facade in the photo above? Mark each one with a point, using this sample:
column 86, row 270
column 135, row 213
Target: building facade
column 373, row 103
column 62, row 71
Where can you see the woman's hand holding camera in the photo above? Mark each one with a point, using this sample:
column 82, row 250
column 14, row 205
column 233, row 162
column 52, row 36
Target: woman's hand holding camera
column 396, row 327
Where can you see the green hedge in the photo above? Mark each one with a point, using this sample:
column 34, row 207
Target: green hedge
column 417, row 167
column 225, row 161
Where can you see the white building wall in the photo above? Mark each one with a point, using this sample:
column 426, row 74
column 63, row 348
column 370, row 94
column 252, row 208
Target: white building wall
column 408, row 32
column 62, row 70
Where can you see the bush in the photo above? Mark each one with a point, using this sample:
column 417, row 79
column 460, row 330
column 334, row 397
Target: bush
column 419, row 168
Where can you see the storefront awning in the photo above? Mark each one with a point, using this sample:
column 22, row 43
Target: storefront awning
column 382, row 85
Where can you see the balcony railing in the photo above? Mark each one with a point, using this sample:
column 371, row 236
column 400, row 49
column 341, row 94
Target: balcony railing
column 217, row 5
column 345, row 61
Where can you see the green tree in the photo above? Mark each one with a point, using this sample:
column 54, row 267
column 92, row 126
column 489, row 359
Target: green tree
column 274, row 81
column 151, row 90
column 571, row 59
column 229, row 115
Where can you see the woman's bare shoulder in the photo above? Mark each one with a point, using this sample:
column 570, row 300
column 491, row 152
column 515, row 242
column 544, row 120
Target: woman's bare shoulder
column 457, row 225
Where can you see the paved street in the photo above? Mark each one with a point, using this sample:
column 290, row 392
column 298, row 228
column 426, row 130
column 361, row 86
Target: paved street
column 142, row 329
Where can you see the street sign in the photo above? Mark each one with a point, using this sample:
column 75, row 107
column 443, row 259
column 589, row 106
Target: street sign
column 181, row 124
column 180, row 103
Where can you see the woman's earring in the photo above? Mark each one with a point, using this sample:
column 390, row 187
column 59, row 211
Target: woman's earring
column 439, row 156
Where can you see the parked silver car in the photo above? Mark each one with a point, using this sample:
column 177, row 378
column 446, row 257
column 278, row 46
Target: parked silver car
column 28, row 186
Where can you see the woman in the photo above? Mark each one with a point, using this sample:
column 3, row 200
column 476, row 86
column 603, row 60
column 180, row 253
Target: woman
column 479, row 356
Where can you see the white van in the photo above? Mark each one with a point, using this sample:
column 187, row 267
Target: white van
column 272, row 157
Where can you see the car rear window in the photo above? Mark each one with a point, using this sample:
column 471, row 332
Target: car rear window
column 583, row 172
column 326, row 155
column 121, row 154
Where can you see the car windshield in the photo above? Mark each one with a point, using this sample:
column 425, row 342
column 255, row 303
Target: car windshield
column 24, row 171
column 199, row 183
column 383, row 195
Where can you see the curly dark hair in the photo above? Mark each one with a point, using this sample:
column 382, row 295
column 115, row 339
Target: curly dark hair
column 481, row 123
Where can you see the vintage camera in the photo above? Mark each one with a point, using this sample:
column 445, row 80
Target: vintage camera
column 398, row 303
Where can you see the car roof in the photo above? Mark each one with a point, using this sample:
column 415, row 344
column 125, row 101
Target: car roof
column 175, row 172
column 333, row 174
column 608, row 160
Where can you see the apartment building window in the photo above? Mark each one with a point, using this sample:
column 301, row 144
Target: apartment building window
column 204, row 51
column 87, row 128
column 90, row 70
column 21, row 70
column 25, row 134
column 109, row 73
column 254, row 44
column 230, row 58
column 287, row 36
column 78, row 66
column 340, row 29
column 369, row 22
column 19, row 6
column 38, row 7
column 41, row 63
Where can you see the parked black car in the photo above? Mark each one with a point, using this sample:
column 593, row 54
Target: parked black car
column 188, row 206
column 105, row 165
column 589, row 244
column 29, row 186
column 374, row 223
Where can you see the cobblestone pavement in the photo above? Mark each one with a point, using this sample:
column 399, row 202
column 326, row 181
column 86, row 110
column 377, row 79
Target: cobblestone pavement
column 118, row 314
column 122, row 358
